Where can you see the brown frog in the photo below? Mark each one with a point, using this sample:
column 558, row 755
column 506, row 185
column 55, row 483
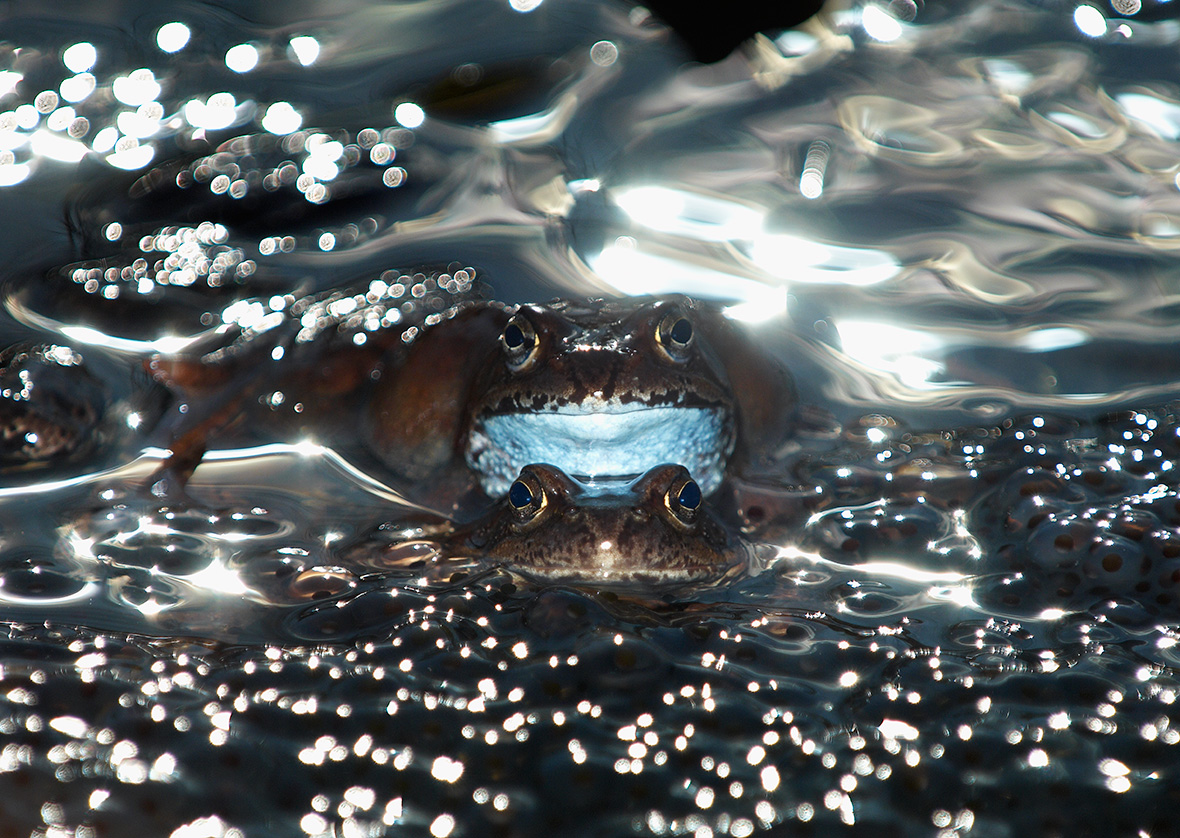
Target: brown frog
column 657, row 528
column 602, row 389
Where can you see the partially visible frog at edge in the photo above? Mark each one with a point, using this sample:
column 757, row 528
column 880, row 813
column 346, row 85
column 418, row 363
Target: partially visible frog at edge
column 52, row 408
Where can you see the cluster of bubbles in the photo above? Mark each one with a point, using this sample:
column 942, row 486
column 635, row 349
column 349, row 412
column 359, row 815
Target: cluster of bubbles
column 125, row 118
column 192, row 255
column 307, row 160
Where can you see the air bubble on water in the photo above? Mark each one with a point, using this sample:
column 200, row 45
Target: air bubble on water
column 604, row 53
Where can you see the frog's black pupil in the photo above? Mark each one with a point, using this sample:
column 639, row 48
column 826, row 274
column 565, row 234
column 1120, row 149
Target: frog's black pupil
column 513, row 336
column 520, row 495
column 690, row 495
column 681, row 332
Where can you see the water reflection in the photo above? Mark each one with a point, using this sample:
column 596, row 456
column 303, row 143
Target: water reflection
column 955, row 224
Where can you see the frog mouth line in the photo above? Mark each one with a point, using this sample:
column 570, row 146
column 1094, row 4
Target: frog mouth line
column 604, row 450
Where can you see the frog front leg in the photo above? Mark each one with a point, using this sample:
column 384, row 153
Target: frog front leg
column 419, row 413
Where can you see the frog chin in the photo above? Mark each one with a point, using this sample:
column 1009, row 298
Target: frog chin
column 603, row 450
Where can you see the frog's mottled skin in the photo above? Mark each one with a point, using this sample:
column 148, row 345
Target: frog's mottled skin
column 602, row 389
column 640, row 534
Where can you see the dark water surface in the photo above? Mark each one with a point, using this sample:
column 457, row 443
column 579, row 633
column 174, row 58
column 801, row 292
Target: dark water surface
column 958, row 224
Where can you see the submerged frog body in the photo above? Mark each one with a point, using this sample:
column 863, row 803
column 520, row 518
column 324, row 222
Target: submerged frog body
column 657, row 529
column 51, row 406
column 603, row 390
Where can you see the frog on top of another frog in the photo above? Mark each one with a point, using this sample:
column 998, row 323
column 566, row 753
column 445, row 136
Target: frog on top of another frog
column 602, row 389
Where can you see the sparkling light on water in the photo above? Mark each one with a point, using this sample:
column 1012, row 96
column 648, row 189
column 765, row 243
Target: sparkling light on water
column 910, row 355
column 56, row 147
column 409, row 115
column 282, row 118
column 811, row 181
column 1159, row 114
column 696, row 215
column 879, row 24
column 9, row 80
column 968, row 514
column 136, row 88
column 306, row 49
column 77, row 88
column 105, row 139
column 635, row 272
column 80, row 57
column 1090, row 21
column 131, row 156
column 242, row 58
column 219, row 111
column 173, row 37
column 604, row 53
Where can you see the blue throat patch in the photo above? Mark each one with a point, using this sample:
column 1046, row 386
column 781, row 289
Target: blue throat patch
column 603, row 450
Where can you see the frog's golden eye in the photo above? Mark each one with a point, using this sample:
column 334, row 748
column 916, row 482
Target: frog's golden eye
column 674, row 335
column 526, row 497
column 683, row 499
column 519, row 342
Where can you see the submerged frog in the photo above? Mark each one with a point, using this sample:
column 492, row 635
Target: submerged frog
column 604, row 390
column 657, row 528
column 51, row 407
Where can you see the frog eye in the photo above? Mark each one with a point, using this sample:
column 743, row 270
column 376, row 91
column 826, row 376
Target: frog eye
column 519, row 341
column 683, row 499
column 675, row 335
column 526, row 497
column 520, row 495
